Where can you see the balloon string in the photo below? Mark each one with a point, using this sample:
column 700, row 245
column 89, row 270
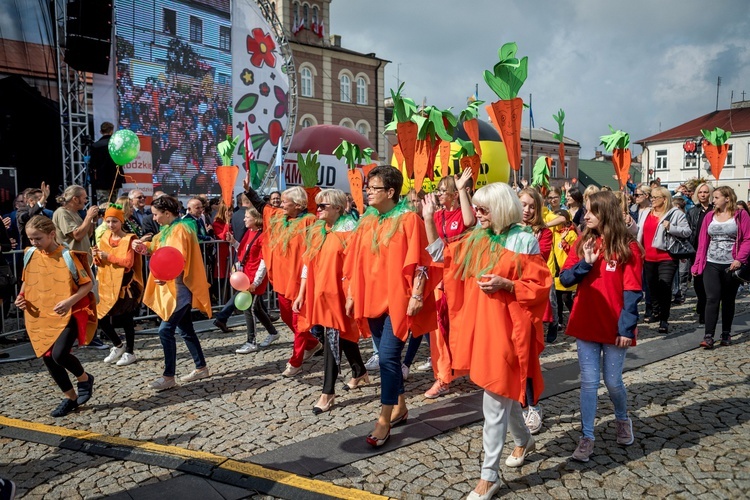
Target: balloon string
column 114, row 182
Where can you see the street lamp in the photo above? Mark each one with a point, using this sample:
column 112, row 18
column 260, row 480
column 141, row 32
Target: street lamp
column 694, row 151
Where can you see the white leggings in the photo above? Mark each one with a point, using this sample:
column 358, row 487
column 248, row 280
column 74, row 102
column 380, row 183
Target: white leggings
column 500, row 413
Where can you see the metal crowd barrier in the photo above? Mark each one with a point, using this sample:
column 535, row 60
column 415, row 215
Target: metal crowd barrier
column 221, row 291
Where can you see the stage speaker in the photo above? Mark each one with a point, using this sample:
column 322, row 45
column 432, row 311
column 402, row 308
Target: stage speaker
column 88, row 41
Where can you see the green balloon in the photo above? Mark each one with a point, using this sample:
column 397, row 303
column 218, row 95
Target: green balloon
column 124, row 146
column 243, row 301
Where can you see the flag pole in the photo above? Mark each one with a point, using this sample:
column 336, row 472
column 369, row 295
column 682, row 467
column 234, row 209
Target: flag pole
column 531, row 133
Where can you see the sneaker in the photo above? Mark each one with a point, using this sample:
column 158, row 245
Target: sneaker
column 584, row 450
column 66, row 406
column 7, row 489
column 373, row 363
column 270, row 339
column 127, row 359
column 663, row 327
column 247, row 348
column 221, row 325
column 426, row 366
column 291, row 371
column 533, row 419
column 162, row 383
column 726, row 339
column 195, row 375
column 518, row 455
column 114, row 354
column 273, row 317
column 309, row 353
column 625, row 432
column 85, row 390
column 708, row 342
column 438, row 389
column 551, row 333
column 405, row 371
column 96, row 344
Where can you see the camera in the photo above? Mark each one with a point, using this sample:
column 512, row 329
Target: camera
column 102, row 211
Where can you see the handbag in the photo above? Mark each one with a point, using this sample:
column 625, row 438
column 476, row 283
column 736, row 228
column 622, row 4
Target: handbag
column 7, row 278
column 678, row 248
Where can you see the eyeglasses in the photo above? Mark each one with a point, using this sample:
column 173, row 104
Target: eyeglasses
column 482, row 210
column 640, row 194
column 376, row 188
column 323, row 206
column 141, row 197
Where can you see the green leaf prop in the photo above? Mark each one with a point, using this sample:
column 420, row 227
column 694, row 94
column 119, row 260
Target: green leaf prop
column 353, row 155
column 616, row 140
column 226, row 149
column 717, row 136
column 540, row 173
column 435, row 123
column 308, row 166
column 509, row 74
column 403, row 108
column 471, row 111
column 560, row 119
column 465, row 149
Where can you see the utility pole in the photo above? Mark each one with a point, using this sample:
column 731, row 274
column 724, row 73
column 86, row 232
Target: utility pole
column 718, row 84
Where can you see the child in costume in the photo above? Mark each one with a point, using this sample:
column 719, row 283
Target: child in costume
column 120, row 280
column 173, row 300
column 59, row 309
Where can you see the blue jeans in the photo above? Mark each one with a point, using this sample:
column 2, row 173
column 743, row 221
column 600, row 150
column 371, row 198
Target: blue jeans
column 180, row 321
column 390, row 348
column 590, row 360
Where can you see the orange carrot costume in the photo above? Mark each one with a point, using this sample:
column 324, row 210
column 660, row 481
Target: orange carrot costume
column 48, row 280
column 162, row 299
column 112, row 288
column 283, row 246
column 380, row 261
column 497, row 337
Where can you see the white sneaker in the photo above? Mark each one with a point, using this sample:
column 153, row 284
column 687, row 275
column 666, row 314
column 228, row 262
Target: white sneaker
column 291, row 371
column 373, row 363
column 114, row 354
column 247, row 348
column 405, row 371
column 162, row 383
column 426, row 366
column 127, row 359
column 533, row 419
column 195, row 375
column 270, row 339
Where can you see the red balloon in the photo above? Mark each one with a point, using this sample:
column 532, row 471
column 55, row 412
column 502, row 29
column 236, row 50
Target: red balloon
column 239, row 281
column 166, row 263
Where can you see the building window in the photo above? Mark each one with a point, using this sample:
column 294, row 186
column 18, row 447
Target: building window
column 691, row 160
column 661, row 159
column 196, row 30
column 346, row 122
column 315, row 16
column 553, row 169
column 170, row 22
column 346, row 88
column 307, row 123
column 225, row 38
column 306, row 16
column 362, row 129
column 361, row 91
column 567, row 172
column 306, row 82
column 730, row 156
column 295, row 14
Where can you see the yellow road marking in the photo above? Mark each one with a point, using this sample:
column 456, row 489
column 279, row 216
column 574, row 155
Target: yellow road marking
column 246, row 468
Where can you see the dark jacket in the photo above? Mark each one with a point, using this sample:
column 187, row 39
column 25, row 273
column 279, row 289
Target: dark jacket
column 695, row 218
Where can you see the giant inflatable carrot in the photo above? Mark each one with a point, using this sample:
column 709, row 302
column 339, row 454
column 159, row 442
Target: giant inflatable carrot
column 617, row 143
column 560, row 136
column 715, row 148
column 355, row 156
column 406, row 130
column 468, row 117
column 506, row 80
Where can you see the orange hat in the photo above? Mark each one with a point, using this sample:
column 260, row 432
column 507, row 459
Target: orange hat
column 116, row 212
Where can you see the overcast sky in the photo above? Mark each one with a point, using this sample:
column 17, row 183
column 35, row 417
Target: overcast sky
column 643, row 66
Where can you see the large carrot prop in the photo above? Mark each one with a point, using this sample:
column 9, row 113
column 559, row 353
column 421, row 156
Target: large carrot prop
column 560, row 136
column 617, row 143
column 506, row 80
column 540, row 174
column 468, row 159
column 445, row 158
column 421, row 163
column 435, row 125
column 308, row 167
column 355, row 156
column 471, row 125
column 226, row 174
column 399, row 156
column 406, row 130
column 716, row 149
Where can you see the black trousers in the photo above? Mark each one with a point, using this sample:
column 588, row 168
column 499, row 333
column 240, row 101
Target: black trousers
column 261, row 313
column 61, row 359
column 700, row 292
column 331, row 369
column 721, row 291
column 659, row 276
column 107, row 324
column 565, row 298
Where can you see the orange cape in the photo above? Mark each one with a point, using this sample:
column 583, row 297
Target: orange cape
column 48, row 281
column 162, row 299
column 111, row 287
column 283, row 246
column 498, row 337
column 380, row 261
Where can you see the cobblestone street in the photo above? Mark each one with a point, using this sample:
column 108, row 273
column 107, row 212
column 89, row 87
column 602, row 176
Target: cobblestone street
column 689, row 413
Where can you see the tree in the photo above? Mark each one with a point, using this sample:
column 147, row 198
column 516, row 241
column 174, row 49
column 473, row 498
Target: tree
column 182, row 59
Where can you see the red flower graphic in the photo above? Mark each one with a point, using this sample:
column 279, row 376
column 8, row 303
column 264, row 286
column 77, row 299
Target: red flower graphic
column 261, row 46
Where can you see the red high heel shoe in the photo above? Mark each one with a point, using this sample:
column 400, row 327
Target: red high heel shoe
column 400, row 420
column 377, row 442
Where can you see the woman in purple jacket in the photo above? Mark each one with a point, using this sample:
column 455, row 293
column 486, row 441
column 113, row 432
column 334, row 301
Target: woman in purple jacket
column 723, row 246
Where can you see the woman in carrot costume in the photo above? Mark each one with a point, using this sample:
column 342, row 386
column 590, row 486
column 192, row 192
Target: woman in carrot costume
column 322, row 296
column 120, row 280
column 390, row 287
column 59, row 309
column 497, row 287
column 283, row 246
column 173, row 300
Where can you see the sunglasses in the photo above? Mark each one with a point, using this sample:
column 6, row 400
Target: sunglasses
column 323, row 206
column 482, row 210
